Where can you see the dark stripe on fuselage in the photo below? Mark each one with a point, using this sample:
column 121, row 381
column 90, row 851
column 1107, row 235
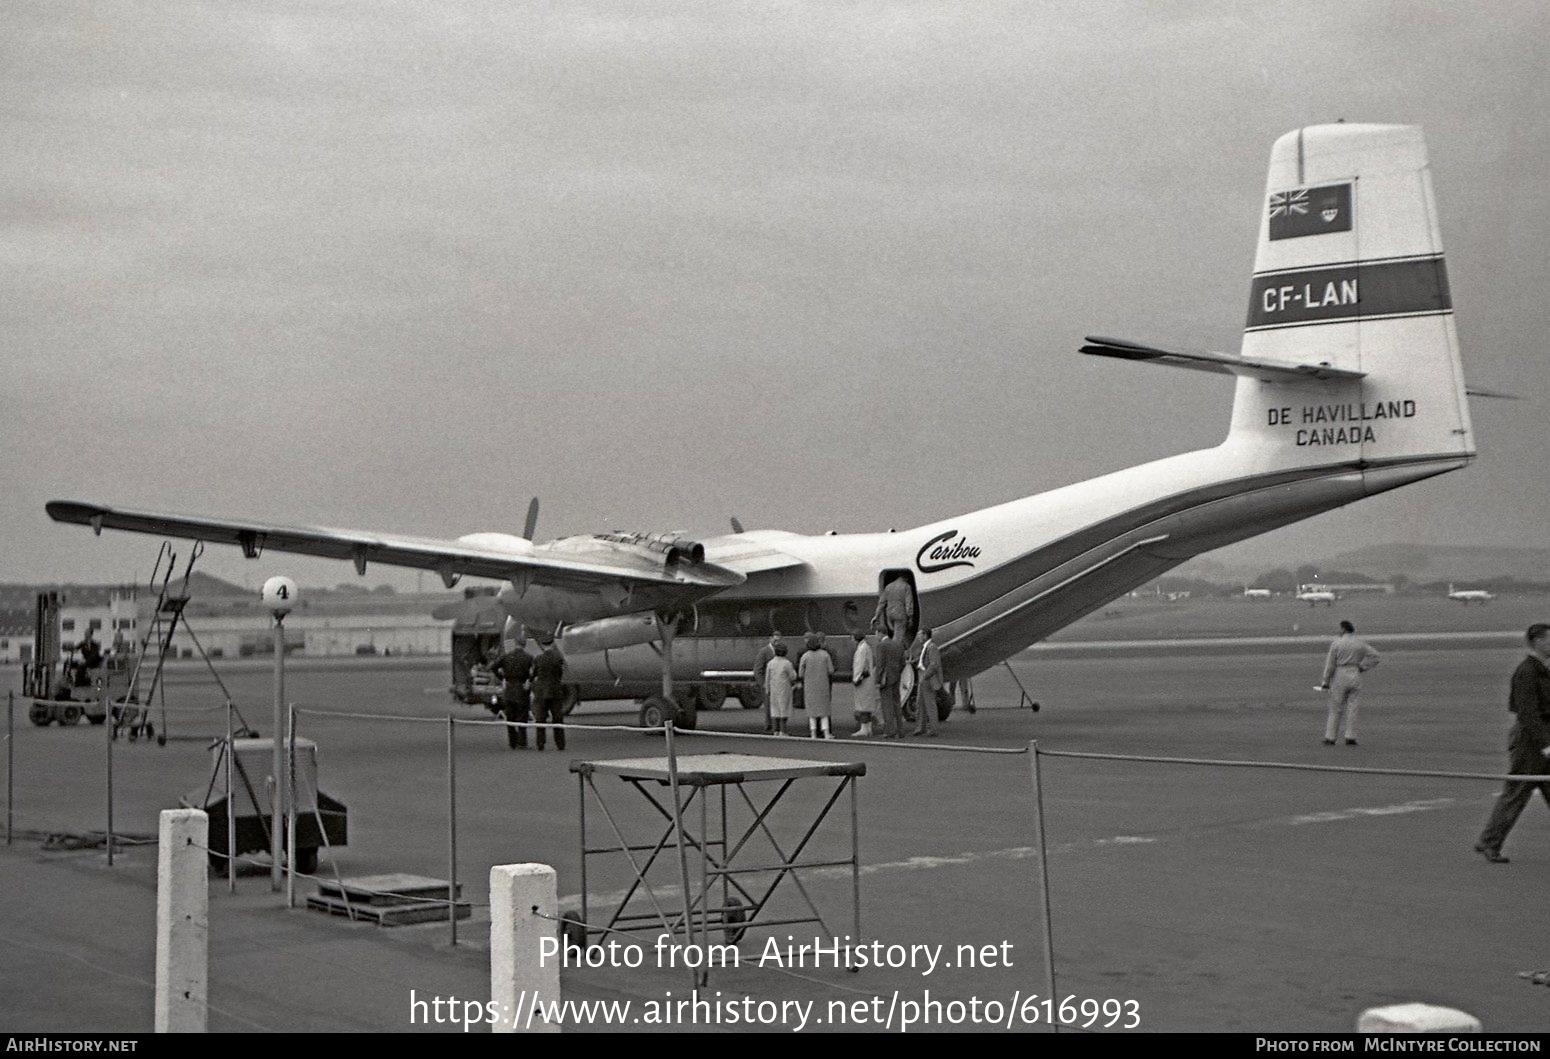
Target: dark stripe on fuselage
column 760, row 615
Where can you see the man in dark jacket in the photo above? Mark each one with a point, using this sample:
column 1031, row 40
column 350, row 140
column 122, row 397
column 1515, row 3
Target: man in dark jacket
column 514, row 668
column 549, row 692
column 890, row 666
column 1528, row 746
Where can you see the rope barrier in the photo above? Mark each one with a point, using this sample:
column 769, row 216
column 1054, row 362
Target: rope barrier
column 877, row 744
column 95, row 704
column 69, row 841
column 1295, row 766
column 956, row 748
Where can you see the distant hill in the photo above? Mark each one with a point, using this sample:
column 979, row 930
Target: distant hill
column 1445, row 562
column 203, row 586
column 1422, row 563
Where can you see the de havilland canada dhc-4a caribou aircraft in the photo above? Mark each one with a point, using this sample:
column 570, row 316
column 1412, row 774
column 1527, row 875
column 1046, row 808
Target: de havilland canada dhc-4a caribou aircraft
column 1349, row 384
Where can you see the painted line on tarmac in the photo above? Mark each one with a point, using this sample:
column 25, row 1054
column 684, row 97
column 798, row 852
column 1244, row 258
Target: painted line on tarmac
column 1016, row 853
column 1056, row 646
column 1422, row 806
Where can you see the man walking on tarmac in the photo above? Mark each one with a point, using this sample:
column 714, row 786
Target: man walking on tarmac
column 1528, row 747
column 514, row 668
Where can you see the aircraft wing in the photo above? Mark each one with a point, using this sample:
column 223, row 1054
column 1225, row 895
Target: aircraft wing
column 679, row 581
column 1220, row 363
column 752, row 552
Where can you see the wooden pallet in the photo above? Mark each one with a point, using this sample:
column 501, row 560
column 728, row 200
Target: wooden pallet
column 396, row 915
column 393, row 889
column 390, row 900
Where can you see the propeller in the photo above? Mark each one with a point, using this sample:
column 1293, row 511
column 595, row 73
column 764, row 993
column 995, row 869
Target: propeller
column 532, row 519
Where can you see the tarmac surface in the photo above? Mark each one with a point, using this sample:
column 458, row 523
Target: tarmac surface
column 1214, row 898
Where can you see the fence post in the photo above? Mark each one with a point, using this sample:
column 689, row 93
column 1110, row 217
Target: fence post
column 182, row 921
column 231, row 804
column 452, row 826
column 524, row 905
column 1044, row 902
column 10, row 758
column 290, row 807
column 108, row 724
column 678, row 834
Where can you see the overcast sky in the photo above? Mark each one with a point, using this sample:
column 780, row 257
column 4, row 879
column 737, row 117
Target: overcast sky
column 400, row 266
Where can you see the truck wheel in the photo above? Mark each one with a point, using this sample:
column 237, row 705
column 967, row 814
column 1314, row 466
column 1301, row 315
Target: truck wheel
column 713, row 696
column 94, row 719
column 750, row 695
column 307, row 860
column 40, row 714
column 70, row 715
column 654, row 712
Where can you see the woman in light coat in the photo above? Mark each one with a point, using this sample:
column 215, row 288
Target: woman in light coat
column 780, row 677
column 816, row 671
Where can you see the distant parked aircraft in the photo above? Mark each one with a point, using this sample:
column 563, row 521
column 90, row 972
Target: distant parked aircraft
column 1467, row 596
column 1257, row 593
column 1313, row 595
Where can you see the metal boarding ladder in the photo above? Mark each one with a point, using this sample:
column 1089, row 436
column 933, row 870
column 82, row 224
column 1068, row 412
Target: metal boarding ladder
column 168, row 616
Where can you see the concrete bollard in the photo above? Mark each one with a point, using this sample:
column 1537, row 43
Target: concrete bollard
column 182, row 921
column 520, row 896
column 1416, row 1018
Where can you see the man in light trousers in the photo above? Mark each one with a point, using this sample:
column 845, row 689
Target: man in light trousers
column 1347, row 660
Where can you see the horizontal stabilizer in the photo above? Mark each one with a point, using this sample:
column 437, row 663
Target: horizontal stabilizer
column 1220, row 363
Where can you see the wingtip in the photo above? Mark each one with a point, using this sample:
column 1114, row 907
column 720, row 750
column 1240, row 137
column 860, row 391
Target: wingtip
column 73, row 511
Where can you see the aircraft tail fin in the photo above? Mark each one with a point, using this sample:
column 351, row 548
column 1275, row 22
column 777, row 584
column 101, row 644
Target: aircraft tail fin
column 1349, row 274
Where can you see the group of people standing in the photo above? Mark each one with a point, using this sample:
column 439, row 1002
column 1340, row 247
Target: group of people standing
column 880, row 672
column 532, row 690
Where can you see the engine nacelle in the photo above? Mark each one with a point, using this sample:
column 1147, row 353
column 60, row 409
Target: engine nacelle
column 498, row 542
column 607, row 634
column 685, row 551
column 545, row 607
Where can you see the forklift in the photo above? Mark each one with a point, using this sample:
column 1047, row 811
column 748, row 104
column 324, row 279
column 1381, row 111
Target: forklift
column 66, row 681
